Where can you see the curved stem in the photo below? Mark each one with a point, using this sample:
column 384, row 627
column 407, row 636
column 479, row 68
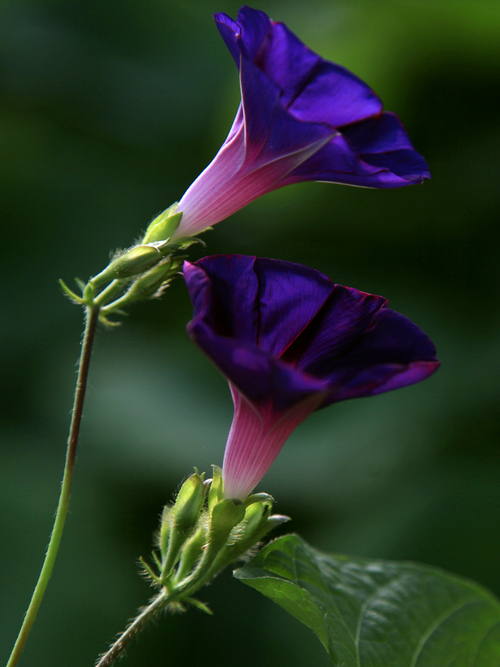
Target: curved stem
column 133, row 629
column 107, row 293
column 92, row 316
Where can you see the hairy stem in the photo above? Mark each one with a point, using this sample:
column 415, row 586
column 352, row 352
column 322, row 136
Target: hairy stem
column 133, row 629
column 92, row 315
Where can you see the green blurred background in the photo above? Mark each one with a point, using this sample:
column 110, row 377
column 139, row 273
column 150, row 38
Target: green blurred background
column 108, row 111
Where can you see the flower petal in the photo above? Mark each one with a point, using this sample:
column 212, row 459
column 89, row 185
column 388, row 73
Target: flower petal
column 290, row 295
column 266, row 302
column 344, row 317
column 384, row 142
column 255, row 440
column 338, row 162
column 256, row 373
column 230, row 33
column 315, row 89
column 263, row 146
column 271, row 133
column 223, row 290
column 392, row 353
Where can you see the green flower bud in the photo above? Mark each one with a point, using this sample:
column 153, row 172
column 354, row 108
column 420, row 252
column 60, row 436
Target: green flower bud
column 150, row 282
column 191, row 553
column 253, row 516
column 184, row 516
column 226, row 514
column 188, row 504
column 163, row 226
column 166, row 519
column 256, row 524
column 135, row 261
column 130, row 263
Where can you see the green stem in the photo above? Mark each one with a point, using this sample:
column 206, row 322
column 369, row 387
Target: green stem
column 107, row 293
column 92, row 316
column 158, row 603
column 124, row 300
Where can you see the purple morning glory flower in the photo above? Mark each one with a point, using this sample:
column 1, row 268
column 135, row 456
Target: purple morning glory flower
column 290, row 341
column 301, row 118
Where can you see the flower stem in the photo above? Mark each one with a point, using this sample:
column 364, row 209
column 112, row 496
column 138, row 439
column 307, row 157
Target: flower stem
column 91, row 318
column 158, row 603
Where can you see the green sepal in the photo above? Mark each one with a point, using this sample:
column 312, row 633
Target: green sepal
column 148, row 571
column 81, row 284
column 164, row 225
column 157, row 561
column 200, row 605
column 69, row 293
column 216, row 492
column 148, row 284
column 165, row 529
column 134, row 261
column 256, row 497
column 187, row 241
column 189, row 503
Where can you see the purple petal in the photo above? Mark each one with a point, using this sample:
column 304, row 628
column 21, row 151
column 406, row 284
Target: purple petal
column 255, row 31
column 384, row 142
column 391, row 354
column 261, row 301
column 315, row 89
column 338, row 162
column 345, row 316
column 230, row 33
column 248, row 36
column 264, row 145
column 281, row 333
column 258, row 375
column 290, row 295
column 223, row 290
column 272, row 133
column 226, row 326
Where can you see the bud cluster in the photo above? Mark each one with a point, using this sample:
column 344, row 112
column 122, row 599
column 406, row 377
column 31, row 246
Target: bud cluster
column 202, row 532
column 140, row 272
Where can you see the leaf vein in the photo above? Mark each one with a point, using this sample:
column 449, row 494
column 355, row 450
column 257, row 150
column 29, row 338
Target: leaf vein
column 364, row 607
column 461, row 604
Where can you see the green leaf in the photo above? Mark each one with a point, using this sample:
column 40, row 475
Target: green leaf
column 370, row 613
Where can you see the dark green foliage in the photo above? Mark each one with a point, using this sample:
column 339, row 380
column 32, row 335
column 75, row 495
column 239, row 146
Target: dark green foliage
column 372, row 613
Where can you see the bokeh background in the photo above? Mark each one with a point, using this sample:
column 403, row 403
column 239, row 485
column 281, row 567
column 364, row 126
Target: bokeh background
column 108, row 111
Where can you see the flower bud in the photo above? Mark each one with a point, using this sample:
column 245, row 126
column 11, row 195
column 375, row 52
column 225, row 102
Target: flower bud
column 188, row 504
column 191, row 552
column 253, row 517
column 135, row 261
column 256, row 524
column 150, row 282
column 130, row 263
column 226, row 514
column 166, row 519
column 163, row 226
column 184, row 516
